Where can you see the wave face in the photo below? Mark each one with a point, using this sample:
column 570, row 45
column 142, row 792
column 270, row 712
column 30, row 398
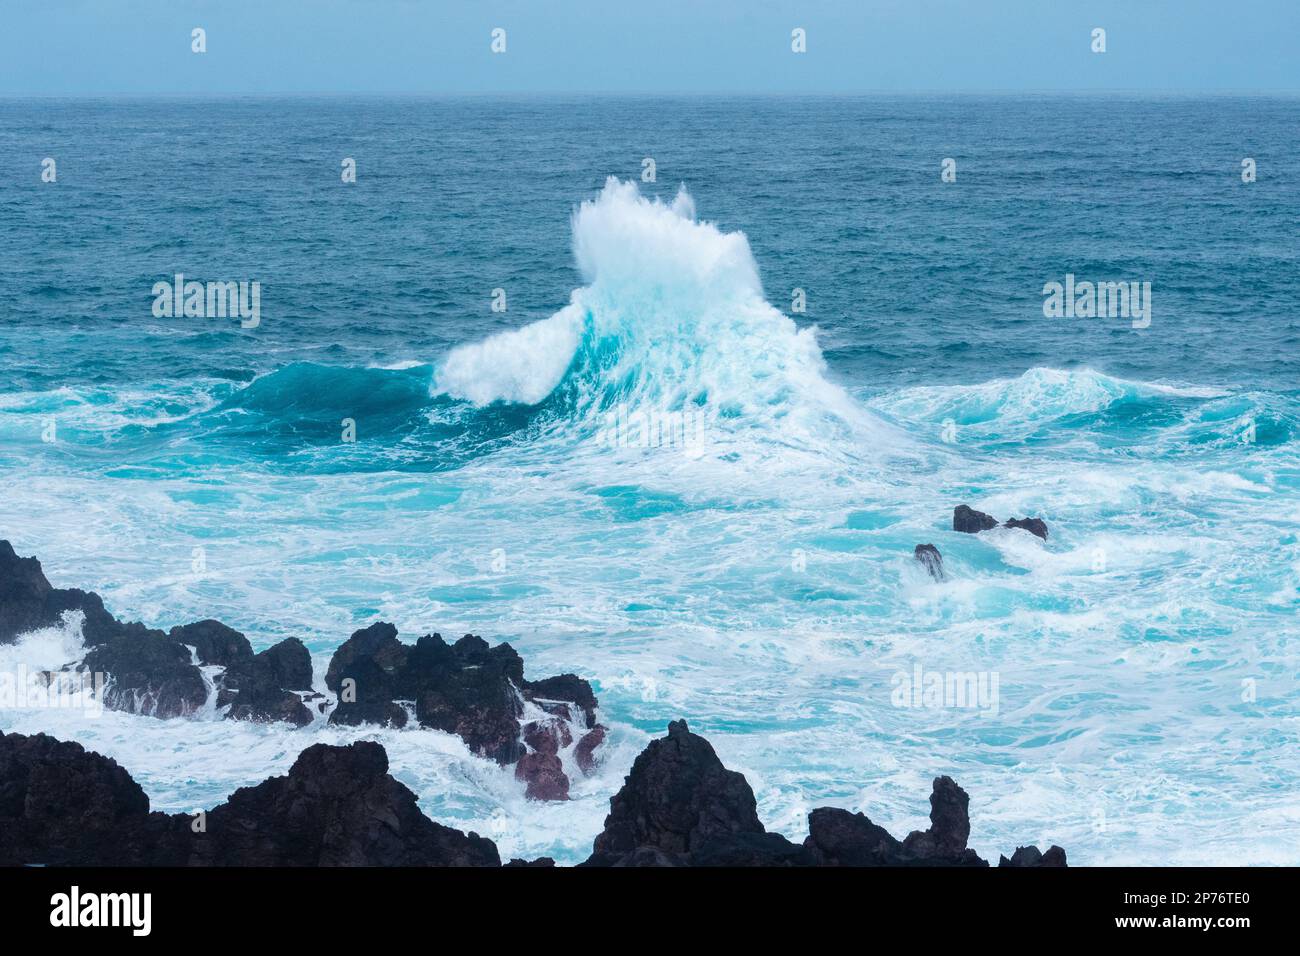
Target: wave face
column 672, row 321
column 670, row 487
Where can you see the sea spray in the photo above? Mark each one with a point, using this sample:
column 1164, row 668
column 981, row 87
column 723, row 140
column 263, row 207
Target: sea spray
column 672, row 318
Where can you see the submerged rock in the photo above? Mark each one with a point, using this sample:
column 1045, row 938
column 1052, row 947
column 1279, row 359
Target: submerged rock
column 544, row 775
column 930, row 559
column 555, row 693
column 970, row 521
column 1035, row 526
column 62, row 805
column 585, row 752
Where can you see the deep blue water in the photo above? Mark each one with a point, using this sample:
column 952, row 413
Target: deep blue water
column 760, row 582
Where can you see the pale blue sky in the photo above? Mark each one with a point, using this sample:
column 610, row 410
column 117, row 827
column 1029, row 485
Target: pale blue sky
column 442, row 46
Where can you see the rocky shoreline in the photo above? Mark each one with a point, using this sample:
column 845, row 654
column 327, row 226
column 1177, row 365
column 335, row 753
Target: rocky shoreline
column 546, row 728
column 61, row 805
column 338, row 805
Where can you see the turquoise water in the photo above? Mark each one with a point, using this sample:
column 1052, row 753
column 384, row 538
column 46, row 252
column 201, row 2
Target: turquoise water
column 753, row 573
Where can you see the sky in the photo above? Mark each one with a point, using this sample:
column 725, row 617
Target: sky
column 649, row 46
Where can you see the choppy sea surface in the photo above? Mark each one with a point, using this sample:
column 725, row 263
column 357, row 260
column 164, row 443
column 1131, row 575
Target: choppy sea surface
column 752, row 572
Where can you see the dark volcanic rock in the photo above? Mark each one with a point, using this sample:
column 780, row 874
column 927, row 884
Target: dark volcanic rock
column 564, row 687
column 290, row 661
column 1035, row 526
column 338, row 806
column 647, row 856
column 750, row 849
column 930, row 559
column 585, row 752
column 148, row 673
column 839, row 838
column 971, row 521
column 677, row 796
column 252, row 689
column 470, row 689
column 28, row 602
column 681, row 807
column 944, row 843
column 23, row 593
column 61, row 805
column 548, row 736
column 544, row 775
column 541, row 861
column 214, row 642
column 375, row 661
column 1029, row 856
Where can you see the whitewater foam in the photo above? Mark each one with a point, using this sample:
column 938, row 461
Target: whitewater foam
column 673, row 315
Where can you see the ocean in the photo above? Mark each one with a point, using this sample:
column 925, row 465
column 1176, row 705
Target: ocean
column 681, row 436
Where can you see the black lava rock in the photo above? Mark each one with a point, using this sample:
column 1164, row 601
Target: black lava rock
column 290, row 661
column 61, row 805
column 1029, row 856
column 679, row 806
column 472, row 689
column 971, row 521
column 1035, row 526
column 28, row 602
column 677, row 797
column 148, row 673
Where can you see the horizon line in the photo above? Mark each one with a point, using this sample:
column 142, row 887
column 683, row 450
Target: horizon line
column 702, row 94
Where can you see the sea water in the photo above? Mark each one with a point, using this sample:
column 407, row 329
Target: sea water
column 680, row 436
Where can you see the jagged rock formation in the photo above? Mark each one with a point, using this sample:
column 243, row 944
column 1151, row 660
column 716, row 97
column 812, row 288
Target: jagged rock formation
column 679, row 806
column 677, row 798
column 1030, row 856
column 473, row 690
column 156, row 673
column 28, row 602
column 338, row 806
column 468, row 688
